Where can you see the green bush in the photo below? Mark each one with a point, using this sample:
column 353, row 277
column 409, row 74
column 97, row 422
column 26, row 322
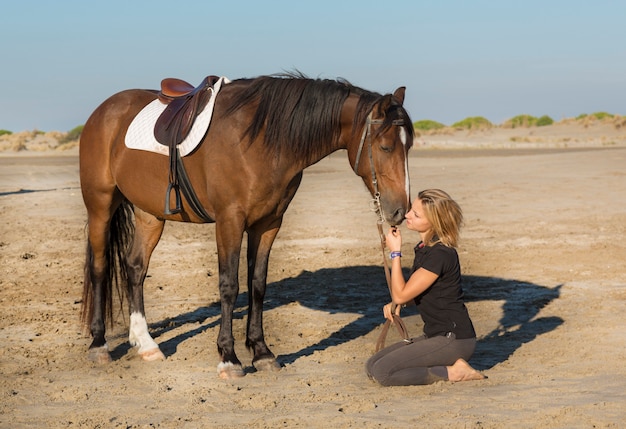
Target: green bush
column 473, row 123
column 597, row 115
column 601, row 115
column 73, row 134
column 521, row 121
column 544, row 120
column 528, row 121
column 7, row 132
column 427, row 125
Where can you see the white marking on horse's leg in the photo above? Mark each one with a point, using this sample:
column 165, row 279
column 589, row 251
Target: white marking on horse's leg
column 139, row 336
column 228, row 370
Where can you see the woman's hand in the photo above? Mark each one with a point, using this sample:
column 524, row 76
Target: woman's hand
column 393, row 239
column 388, row 310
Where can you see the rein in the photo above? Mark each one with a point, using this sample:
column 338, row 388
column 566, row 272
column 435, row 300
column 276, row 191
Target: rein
column 397, row 320
column 367, row 135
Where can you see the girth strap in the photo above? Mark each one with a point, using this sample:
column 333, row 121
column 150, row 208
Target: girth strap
column 182, row 183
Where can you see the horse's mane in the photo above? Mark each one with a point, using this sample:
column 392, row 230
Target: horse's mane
column 302, row 115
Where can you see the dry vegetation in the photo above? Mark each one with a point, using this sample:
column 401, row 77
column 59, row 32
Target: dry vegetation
column 36, row 141
column 585, row 121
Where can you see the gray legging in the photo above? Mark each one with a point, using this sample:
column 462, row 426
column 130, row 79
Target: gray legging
column 423, row 361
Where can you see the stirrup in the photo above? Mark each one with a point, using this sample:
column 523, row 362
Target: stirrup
column 179, row 205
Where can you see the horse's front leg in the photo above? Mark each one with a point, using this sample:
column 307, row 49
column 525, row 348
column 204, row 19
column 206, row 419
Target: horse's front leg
column 259, row 246
column 148, row 230
column 228, row 236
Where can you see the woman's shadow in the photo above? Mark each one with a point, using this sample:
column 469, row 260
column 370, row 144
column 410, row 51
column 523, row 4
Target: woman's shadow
column 363, row 290
column 519, row 324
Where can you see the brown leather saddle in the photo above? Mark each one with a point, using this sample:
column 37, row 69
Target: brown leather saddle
column 184, row 103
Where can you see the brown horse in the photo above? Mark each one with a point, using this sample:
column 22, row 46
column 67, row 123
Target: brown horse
column 264, row 132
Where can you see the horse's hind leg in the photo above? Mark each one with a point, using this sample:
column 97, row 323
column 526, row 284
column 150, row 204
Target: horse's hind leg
column 105, row 217
column 95, row 293
column 148, row 230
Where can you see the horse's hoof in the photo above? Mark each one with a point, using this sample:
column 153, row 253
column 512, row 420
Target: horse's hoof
column 267, row 364
column 152, row 355
column 228, row 370
column 100, row 355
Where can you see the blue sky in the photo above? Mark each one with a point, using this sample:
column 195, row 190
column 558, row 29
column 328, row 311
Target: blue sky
column 496, row 59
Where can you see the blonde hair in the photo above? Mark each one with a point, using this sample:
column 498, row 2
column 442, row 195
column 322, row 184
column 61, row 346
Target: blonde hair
column 444, row 214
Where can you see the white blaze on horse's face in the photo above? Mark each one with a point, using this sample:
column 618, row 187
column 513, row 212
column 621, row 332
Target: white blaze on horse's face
column 407, row 182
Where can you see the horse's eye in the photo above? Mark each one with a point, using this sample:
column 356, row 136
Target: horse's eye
column 386, row 148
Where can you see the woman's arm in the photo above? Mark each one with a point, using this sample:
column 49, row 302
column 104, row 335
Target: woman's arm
column 404, row 291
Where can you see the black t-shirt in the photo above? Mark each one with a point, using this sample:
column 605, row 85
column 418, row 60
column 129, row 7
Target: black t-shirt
column 441, row 305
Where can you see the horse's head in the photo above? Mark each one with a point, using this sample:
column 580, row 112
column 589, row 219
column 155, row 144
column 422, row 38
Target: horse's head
column 379, row 155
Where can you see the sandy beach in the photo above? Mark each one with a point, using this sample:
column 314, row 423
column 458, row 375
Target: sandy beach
column 542, row 252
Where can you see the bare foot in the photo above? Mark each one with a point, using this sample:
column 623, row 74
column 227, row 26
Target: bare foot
column 462, row 371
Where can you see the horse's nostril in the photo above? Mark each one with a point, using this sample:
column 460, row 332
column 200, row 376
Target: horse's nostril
column 397, row 217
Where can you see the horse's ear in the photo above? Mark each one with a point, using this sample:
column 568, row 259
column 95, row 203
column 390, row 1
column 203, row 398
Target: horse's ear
column 399, row 94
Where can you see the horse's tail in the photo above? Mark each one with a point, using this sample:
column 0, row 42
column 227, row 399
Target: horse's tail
column 115, row 276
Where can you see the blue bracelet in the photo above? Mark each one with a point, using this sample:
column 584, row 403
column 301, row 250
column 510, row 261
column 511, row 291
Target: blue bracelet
column 395, row 255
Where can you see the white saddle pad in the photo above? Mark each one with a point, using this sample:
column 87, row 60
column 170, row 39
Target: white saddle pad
column 140, row 133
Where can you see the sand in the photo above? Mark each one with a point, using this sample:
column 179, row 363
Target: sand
column 542, row 252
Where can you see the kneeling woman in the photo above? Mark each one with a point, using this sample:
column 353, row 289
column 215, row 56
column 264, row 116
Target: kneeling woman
column 449, row 339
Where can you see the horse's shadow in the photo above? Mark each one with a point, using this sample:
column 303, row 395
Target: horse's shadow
column 344, row 290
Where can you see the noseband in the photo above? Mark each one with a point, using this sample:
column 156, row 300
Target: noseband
column 367, row 135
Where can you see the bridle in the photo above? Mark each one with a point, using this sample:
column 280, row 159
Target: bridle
column 367, row 135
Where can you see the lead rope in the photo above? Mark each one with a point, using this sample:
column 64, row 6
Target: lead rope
column 397, row 320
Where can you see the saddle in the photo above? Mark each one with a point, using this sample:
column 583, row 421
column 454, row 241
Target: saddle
column 184, row 103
